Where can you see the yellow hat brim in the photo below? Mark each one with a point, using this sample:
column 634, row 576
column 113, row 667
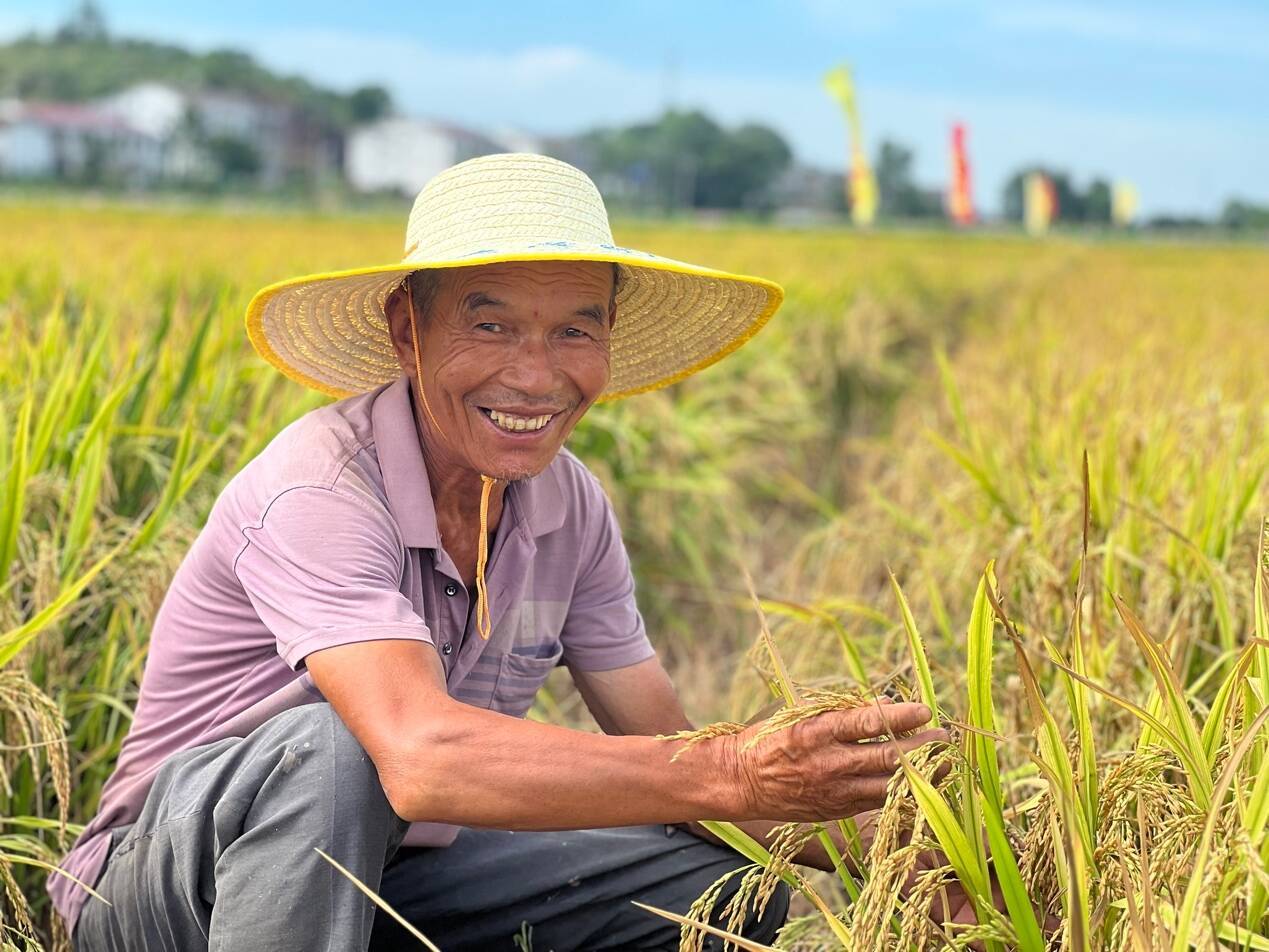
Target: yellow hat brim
column 328, row 331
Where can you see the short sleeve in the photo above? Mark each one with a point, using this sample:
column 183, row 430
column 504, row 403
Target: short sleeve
column 603, row 628
column 323, row 568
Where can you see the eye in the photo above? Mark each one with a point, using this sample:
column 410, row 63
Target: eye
column 575, row 332
column 488, row 326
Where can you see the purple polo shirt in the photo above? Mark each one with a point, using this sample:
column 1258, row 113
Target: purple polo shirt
column 329, row 537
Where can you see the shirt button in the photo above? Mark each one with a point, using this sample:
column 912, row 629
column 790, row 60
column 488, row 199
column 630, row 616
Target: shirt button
column 451, row 589
column 447, row 648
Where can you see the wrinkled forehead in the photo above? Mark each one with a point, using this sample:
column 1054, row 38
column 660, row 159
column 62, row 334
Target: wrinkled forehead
column 583, row 278
column 443, row 292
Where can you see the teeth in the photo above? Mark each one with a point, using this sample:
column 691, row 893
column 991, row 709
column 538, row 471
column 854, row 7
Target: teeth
column 509, row 421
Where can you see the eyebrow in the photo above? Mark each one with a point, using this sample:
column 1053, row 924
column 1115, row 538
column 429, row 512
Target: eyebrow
column 595, row 313
column 480, row 299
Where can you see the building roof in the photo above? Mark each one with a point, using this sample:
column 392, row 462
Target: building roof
column 70, row 115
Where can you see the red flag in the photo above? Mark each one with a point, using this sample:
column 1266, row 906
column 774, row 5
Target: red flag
column 960, row 196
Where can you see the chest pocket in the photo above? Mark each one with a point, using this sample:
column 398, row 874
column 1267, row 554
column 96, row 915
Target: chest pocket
column 520, row 676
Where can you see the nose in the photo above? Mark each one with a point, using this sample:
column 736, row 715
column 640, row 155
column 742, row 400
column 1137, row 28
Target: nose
column 533, row 369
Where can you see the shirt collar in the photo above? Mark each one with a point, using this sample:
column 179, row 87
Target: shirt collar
column 536, row 502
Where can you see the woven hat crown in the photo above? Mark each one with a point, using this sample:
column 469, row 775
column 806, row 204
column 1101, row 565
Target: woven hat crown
column 514, row 198
column 330, row 331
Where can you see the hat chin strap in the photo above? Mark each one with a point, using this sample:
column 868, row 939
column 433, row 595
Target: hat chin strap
column 484, row 622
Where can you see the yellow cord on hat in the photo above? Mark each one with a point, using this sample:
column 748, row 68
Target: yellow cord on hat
column 484, row 621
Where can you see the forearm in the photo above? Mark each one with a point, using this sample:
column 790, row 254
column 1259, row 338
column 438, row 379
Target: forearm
column 513, row 774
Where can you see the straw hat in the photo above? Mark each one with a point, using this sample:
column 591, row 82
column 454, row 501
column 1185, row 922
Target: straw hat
column 328, row 330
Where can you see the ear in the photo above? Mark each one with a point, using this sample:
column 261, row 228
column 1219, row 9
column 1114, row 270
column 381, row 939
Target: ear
column 396, row 314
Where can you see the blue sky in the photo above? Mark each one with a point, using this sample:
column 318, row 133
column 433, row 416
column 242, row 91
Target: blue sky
column 1171, row 96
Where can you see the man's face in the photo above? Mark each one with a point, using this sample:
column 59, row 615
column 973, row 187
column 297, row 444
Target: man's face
column 513, row 354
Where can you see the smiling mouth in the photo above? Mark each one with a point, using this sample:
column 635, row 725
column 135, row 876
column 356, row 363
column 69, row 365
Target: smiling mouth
column 515, row 423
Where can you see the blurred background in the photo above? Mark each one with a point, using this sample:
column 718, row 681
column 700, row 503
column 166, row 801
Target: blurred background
column 1146, row 115
column 1010, row 235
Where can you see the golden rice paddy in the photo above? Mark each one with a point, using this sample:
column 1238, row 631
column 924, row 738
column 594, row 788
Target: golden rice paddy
column 921, row 406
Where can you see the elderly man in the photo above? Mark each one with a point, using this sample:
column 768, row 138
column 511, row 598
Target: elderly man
column 343, row 660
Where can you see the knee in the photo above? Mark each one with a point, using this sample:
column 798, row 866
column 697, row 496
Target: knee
column 318, row 760
column 315, row 734
column 336, row 739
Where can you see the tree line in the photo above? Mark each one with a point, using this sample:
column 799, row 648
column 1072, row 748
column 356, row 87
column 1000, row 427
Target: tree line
column 81, row 60
column 681, row 160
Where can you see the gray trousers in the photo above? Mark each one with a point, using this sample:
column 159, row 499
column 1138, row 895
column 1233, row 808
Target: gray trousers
column 222, row 858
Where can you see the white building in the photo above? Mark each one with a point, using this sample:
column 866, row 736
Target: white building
column 183, row 122
column 162, row 111
column 154, row 108
column 400, row 154
column 74, row 141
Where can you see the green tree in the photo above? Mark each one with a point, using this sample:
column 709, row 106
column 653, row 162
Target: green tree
column 82, row 62
column 756, row 155
column 1097, row 202
column 86, row 25
column 900, row 196
column 687, row 149
column 236, row 158
column 1073, row 205
column 368, row 103
column 1239, row 215
column 685, row 159
column 226, row 69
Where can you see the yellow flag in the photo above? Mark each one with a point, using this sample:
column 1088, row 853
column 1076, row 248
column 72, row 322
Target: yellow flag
column 861, row 185
column 1039, row 201
column 1123, row 204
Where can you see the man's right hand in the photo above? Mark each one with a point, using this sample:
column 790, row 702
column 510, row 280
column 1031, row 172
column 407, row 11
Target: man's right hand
column 829, row 766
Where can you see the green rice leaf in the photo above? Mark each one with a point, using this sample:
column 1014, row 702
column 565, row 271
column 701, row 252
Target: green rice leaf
column 960, row 853
column 817, row 615
column 1017, row 897
column 916, row 648
column 1175, row 705
column 14, row 640
column 13, row 503
column 171, row 491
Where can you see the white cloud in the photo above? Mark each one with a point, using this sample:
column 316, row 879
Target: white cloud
column 543, row 88
column 1185, row 163
column 349, row 58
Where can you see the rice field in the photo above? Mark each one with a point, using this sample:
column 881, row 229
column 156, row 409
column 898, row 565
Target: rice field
column 898, row 460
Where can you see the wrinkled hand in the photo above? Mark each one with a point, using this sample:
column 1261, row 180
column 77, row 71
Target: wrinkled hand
column 828, row 766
